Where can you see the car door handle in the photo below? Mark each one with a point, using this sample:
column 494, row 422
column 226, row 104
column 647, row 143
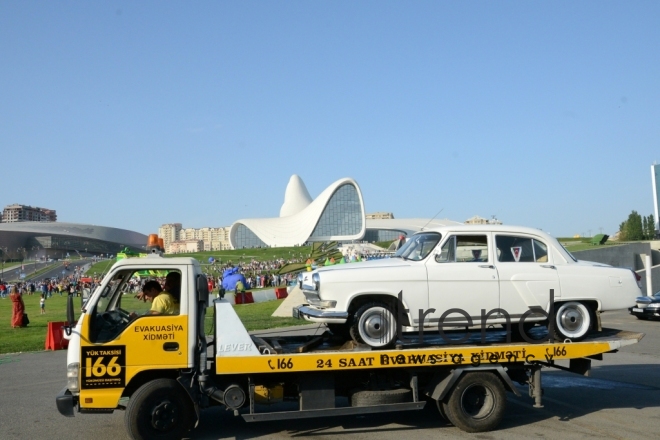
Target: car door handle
column 171, row 346
column 487, row 266
column 548, row 266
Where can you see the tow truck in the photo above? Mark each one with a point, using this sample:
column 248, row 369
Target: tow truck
column 163, row 370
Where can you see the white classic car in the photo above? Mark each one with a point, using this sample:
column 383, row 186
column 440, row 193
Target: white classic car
column 469, row 268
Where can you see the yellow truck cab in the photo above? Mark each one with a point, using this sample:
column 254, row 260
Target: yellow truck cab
column 163, row 369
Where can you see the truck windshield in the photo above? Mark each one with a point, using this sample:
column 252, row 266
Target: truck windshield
column 418, row 246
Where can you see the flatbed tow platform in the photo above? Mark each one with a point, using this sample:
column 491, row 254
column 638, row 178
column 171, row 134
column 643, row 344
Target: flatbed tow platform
column 303, row 354
column 467, row 381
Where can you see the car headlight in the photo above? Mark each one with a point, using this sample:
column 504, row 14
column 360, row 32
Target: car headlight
column 72, row 376
column 316, row 281
column 654, row 306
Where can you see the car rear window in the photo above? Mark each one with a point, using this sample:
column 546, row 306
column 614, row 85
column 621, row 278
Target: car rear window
column 511, row 248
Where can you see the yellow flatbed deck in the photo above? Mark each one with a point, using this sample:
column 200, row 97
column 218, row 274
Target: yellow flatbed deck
column 360, row 357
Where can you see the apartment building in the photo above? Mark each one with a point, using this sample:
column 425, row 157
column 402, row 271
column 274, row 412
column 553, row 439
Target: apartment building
column 211, row 239
column 170, row 232
column 24, row 213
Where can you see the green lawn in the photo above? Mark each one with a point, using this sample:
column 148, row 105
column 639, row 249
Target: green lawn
column 587, row 246
column 101, row 267
column 33, row 337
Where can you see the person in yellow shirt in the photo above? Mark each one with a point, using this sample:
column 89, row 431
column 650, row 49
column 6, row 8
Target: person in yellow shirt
column 162, row 303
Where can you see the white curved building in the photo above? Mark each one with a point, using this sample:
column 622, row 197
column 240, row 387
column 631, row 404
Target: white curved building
column 336, row 214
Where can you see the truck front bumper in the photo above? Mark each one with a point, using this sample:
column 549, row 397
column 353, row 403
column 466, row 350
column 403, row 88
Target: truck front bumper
column 316, row 315
column 66, row 402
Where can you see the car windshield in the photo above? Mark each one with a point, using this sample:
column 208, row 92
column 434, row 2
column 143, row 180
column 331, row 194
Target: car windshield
column 418, row 246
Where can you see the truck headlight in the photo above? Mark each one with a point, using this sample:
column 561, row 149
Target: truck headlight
column 316, row 281
column 72, row 371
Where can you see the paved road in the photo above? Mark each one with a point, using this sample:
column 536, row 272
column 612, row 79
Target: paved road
column 621, row 401
column 56, row 269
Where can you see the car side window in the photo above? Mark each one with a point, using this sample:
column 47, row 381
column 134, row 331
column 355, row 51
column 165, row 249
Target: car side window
column 520, row 249
column 464, row 249
column 540, row 252
column 448, row 251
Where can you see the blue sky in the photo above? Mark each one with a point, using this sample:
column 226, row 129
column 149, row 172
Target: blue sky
column 134, row 114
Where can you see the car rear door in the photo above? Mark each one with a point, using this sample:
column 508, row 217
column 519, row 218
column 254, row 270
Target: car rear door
column 526, row 273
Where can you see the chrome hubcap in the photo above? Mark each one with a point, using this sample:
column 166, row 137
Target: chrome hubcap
column 377, row 326
column 572, row 319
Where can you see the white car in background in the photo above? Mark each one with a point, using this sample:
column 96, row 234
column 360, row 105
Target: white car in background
column 467, row 267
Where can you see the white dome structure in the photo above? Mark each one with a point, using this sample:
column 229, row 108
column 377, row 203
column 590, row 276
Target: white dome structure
column 336, row 214
column 296, row 197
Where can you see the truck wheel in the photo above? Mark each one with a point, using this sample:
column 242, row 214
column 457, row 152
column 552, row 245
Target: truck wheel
column 159, row 409
column 572, row 321
column 477, row 402
column 382, row 397
column 375, row 325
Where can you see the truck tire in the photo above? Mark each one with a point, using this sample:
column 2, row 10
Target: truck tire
column 572, row 321
column 159, row 409
column 383, row 397
column 374, row 324
column 477, row 402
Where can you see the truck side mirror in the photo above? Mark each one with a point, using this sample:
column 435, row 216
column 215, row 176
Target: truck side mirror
column 202, row 289
column 70, row 318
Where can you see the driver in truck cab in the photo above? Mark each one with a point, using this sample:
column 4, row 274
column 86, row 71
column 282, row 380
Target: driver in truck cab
column 172, row 286
column 164, row 302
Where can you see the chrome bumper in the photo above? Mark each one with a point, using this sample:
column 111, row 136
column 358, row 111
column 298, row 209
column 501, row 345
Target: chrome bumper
column 313, row 314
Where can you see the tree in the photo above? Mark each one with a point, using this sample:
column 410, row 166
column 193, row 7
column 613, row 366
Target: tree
column 632, row 229
column 651, row 227
column 622, row 231
column 645, row 228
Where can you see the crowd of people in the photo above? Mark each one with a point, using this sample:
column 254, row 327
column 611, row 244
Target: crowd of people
column 229, row 276
column 71, row 284
column 257, row 274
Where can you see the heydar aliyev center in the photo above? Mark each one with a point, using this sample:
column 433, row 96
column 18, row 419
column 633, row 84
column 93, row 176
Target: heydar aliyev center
column 337, row 214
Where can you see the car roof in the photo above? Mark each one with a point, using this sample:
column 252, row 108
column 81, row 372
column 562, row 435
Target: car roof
column 488, row 228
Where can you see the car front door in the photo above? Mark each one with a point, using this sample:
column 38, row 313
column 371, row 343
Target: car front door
column 526, row 273
column 462, row 275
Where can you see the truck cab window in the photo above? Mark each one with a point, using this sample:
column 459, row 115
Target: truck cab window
column 120, row 303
